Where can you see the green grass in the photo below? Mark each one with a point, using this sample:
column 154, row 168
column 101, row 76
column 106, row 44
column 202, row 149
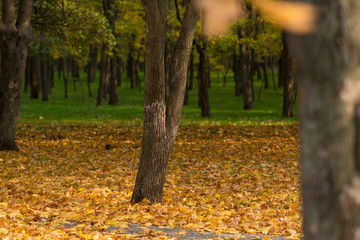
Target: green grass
column 80, row 108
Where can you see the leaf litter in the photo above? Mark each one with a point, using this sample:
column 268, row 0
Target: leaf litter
column 234, row 179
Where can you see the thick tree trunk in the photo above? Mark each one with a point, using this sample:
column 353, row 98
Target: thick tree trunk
column 289, row 80
column 161, row 122
column 14, row 40
column 328, row 67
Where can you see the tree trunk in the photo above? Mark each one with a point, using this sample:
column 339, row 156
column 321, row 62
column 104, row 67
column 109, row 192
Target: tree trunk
column 35, row 76
column 203, row 80
column 237, row 72
column 328, row 68
column 113, row 100
column 91, row 67
column 104, row 63
column 161, row 122
column 119, row 70
column 27, row 75
column 289, row 80
column 245, row 64
column 66, row 77
column 264, row 68
column 191, row 71
column 14, row 41
column 45, row 83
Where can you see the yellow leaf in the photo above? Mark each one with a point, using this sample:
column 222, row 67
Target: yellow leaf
column 3, row 231
column 183, row 232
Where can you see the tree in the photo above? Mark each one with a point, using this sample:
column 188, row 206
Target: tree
column 289, row 79
column 328, row 68
column 161, row 117
column 15, row 33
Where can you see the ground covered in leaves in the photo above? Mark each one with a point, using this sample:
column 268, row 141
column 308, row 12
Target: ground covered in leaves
column 235, row 179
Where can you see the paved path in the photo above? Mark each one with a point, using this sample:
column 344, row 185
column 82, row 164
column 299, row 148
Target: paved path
column 181, row 233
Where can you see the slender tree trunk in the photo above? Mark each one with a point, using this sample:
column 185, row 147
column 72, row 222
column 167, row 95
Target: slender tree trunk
column 191, row 71
column 66, row 78
column 248, row 94
column 27, row 75
column 113, row 100
column 45, row 83
column 35, row 76
column 237, row 72
column 119, row 70
column 264, row 68
column 272, row 61
column 289, row 80
column 104, row 63
column 161, row 122
column 328, row 68
column 14, row 40
column 203, row 80
column 51, row 74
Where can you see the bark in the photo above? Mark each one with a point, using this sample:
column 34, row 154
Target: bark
column 14, row 41
column 27, row 75
column 104, row 75
column 245, row 63
column 237, row 72
column 119, row 71
column 203, row 80
column 45, row 81
column 329, row 77
column 113, row 100
column 191, row 71
column 35, row 76
column 51, row 74
column 272, row 63
column 66, row 77
column 289, row 80
column 91, row 67
column 161, row 122
column 264, row 68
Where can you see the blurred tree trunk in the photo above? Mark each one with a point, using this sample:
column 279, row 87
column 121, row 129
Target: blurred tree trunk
column 119, row 70
column 45, row 80
column 328, row 69
column 91, row 67
column 203, row 80
column 27, row 75
column 35, row 76
column 288, row 79
column 14, row 40
column 161, row 121
column 264, row 68
column 104, row 76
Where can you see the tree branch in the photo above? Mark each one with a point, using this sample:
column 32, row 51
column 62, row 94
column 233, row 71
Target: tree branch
column 177, row 11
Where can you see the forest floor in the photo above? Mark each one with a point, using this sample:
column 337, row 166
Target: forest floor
column 74, row 181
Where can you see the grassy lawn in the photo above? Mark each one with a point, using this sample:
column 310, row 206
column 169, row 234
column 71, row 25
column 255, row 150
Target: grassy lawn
column 80, row 108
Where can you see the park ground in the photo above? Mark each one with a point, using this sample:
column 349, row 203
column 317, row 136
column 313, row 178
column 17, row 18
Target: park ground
column 237, row 172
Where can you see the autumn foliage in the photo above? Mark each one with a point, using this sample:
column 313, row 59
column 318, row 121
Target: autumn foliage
column 240, row 179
